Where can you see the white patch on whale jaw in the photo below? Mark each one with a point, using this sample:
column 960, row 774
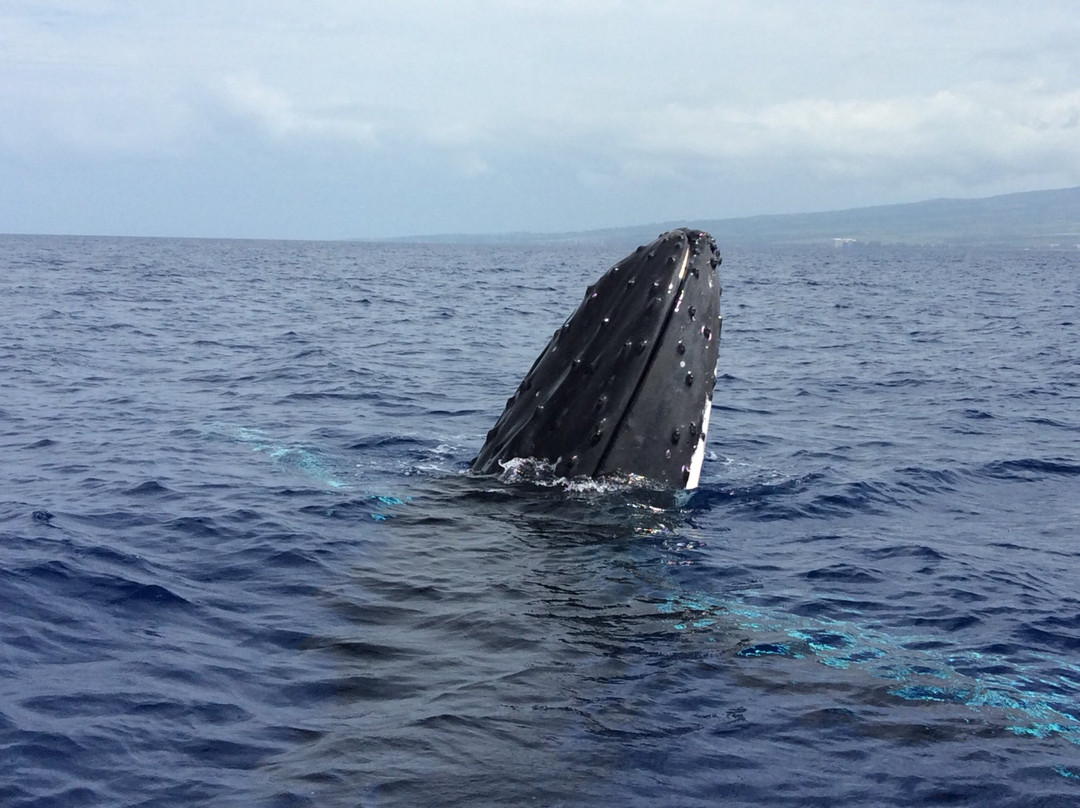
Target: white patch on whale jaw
column 699, row 452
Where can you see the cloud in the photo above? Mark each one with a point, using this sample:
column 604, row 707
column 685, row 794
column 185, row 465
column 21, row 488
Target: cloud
column 283, row 117
column 990, row 118
column 629, row 105
column 960, row 135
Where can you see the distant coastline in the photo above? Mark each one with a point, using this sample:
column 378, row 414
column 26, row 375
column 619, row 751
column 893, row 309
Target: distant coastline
column 1033, row 219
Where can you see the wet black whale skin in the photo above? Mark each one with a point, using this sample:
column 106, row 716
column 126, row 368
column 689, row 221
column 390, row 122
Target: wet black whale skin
column 622, row 386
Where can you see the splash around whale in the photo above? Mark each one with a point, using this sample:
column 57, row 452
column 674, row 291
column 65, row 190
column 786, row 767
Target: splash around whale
column 625, row 386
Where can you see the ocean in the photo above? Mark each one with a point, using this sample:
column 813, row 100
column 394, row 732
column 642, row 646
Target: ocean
column 242, row 563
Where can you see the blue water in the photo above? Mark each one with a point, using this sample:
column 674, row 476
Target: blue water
column 241, row 563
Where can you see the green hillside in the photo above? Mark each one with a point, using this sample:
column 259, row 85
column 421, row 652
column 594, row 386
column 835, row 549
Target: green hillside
column 1044, row 219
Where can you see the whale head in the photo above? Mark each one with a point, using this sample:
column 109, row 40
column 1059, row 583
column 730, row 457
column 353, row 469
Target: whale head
column 625, row 386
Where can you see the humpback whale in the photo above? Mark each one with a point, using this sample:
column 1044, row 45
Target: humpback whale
column 625, row 386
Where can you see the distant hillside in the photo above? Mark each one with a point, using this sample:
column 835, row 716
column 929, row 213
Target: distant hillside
column 1031, row 219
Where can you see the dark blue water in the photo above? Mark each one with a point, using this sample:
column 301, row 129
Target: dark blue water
column 241, row 564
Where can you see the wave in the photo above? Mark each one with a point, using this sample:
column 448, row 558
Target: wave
column 809, row 496
column 1029, row 469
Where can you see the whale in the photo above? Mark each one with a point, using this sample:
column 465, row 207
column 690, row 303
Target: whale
column 624, row 387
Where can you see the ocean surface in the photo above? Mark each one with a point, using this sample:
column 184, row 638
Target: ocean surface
column 242, row 563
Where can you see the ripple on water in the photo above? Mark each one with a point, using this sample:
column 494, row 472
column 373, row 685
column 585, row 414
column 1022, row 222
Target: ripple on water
column 240, row 563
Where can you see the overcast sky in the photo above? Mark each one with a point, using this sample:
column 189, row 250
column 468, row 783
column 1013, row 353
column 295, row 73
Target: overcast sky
column 355, row 118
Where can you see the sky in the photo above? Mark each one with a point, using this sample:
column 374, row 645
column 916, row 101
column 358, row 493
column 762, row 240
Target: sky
column 329, row 119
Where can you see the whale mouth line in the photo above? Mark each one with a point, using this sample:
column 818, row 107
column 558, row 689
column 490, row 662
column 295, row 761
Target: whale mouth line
column 672, row 309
